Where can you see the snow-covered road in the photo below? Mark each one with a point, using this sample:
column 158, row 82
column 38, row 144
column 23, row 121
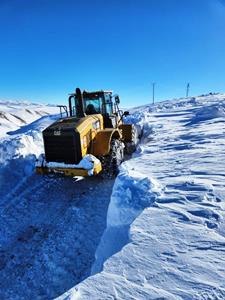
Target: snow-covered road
column 50, row 229
column 50, row 226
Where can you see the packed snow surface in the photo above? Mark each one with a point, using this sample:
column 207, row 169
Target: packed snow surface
column 165, row 234
column 157, row 232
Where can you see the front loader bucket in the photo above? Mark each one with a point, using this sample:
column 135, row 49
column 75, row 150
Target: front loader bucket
column 89, row 166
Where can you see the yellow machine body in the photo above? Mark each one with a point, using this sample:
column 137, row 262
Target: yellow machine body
column 70, row 140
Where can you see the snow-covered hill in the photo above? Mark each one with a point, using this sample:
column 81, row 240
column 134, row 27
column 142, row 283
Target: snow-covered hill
column 160, row 234
column 14, row 114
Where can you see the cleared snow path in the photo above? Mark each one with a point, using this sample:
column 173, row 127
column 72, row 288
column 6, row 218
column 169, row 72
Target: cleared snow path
column 50, row 227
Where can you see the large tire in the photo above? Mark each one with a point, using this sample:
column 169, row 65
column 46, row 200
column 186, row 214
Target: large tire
column 130, row 147
column 112, row 161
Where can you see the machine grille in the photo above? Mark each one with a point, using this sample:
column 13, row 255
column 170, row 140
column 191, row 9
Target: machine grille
column 65, row 149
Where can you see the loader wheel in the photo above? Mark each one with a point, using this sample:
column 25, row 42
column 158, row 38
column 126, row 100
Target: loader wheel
column 111, row 162
column 130, row 147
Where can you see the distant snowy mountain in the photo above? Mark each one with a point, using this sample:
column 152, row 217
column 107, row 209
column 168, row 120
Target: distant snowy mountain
column 156, row 232
column 14, row 114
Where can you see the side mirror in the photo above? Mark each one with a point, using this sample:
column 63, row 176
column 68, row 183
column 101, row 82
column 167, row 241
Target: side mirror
column 117, row 99
column 126, row 113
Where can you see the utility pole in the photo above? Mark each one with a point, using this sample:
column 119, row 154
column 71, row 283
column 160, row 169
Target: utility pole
column 153, row 92
column 187, row 90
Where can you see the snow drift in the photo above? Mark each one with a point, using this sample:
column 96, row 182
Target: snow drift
column 132, row 193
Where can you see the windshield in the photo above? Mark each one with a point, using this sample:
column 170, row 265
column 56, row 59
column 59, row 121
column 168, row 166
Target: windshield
column 93, row 105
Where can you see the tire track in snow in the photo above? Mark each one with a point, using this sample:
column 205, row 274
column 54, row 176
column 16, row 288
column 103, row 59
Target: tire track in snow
column 49, row 232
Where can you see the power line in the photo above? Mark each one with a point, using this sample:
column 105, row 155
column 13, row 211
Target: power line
column 187, row 89
column 153, row 92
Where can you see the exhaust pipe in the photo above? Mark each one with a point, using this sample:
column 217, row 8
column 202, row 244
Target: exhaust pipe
column 70, row 105
column 79, row 104
column 77, row 100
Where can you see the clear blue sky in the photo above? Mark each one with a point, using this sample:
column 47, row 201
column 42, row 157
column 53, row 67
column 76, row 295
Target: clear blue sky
column 49, row 47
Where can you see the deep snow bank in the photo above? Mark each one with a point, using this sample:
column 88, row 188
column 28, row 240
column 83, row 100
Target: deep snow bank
column 21, row 124
column 132, row 193
column 26, row 140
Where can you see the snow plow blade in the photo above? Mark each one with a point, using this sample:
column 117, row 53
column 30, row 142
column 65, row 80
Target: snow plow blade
column 69, row 171
column 89, row 166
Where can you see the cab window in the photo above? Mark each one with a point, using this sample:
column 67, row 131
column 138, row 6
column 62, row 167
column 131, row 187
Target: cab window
column 108, row 104
column 93, row 105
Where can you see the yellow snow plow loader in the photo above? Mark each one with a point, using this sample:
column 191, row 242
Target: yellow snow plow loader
column 90, row 139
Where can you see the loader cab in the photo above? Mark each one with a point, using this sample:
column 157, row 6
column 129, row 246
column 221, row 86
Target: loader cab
column 93, row 103
column 99, row 102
